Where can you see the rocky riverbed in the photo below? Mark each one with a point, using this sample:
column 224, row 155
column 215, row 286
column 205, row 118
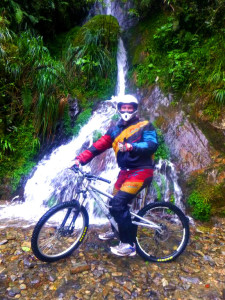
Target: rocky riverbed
column 92, row 272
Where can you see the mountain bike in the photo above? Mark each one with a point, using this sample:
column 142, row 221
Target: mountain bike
column 162, row 229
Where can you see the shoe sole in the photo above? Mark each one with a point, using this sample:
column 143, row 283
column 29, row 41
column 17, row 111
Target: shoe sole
column 107, row 239
column 122, row 254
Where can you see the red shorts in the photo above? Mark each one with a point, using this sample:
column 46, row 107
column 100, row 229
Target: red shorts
column 132, row 181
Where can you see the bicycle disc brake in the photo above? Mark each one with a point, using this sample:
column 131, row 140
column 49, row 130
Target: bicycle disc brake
column 161, row 235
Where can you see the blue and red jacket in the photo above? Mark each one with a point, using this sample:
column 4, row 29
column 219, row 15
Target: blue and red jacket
column 140, row 134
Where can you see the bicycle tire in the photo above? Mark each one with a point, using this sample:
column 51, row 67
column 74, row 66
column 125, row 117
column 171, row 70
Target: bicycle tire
column 53, row 227
column 168, row 242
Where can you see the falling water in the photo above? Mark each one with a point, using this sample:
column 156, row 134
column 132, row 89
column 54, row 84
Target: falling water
column 122, row 68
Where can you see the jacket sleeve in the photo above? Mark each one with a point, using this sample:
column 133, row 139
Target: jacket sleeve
column 104, row 143
column 148, row 142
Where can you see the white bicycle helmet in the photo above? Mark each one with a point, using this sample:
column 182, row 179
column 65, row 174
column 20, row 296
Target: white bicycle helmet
column 127, row 99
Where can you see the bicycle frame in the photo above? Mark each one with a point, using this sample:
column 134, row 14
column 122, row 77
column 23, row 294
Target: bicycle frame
column 96, row 192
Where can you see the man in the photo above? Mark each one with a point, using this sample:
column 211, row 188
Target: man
column 134, row 142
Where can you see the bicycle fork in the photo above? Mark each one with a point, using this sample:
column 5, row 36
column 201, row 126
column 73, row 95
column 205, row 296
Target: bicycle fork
column 71, row 226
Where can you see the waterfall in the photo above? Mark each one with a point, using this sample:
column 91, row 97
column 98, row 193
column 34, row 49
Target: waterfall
column 122, row 68
column 52, row 180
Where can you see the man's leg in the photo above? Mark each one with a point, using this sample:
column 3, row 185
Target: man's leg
column 135, row 180
column 120, row 212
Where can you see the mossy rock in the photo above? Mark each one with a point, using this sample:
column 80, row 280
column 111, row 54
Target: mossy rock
column 206, row 196
column 105, row 28
column 92, row 57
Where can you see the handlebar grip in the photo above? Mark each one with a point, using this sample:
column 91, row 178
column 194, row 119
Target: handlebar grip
column 103, row 179
column 74, row 168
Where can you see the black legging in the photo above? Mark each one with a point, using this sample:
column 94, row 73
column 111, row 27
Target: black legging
column 120, row 212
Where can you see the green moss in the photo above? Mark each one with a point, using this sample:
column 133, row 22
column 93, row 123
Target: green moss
column 162, row 151
column 82, row 119
column 201, row 210
column 205, row 198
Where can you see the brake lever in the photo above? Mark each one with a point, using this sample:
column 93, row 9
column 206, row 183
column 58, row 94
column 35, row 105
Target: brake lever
column 75, row 168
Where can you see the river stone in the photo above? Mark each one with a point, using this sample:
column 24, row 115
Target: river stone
column 23, row 286
column 193, row 280
column 13, row 291
column 13, row 277
column 27, row 263
column 80, row 267
column 35, row 281
column 3, row 242
column 170, row 287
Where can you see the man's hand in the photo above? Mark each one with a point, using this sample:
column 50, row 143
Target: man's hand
column 125, row 147
column 77, row 163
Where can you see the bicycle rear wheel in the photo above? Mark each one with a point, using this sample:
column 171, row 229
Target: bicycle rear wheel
column 170, row 236
column 60, row 231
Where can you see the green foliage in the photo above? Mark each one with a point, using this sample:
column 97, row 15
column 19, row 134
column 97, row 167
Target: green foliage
column 5, row 147
column 201, row 209
column 219, row 96
column 30, row 67
column 92, row 58
column 158, row 190
column 26, row 96
column 115, row 117
column 82, row 119
column 176, row 50
column 17, row 153
column 67, row 122
column 96, row 135
column 181, row 68
column 206, row 197
column 212, row 110
column 47, row 17
column 162, row 151
column 51, row 202
column 172, row 199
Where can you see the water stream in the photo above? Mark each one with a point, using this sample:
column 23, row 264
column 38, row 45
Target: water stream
column 52, row 180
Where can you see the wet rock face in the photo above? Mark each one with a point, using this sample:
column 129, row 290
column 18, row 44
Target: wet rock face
column 120, row 11
column 117, row 8
column 73, row 108
column 188, row 146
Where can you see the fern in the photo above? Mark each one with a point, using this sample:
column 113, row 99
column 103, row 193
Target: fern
column 26, row 98
column 219, row 96
column 18, row 15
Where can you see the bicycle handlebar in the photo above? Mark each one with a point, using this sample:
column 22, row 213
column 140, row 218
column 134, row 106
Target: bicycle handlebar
column 88, row 175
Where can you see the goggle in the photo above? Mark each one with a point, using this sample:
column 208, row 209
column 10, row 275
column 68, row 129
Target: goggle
column 126, row 111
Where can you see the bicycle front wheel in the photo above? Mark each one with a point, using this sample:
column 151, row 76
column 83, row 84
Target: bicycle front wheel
column 60, row 231
column 167, row 234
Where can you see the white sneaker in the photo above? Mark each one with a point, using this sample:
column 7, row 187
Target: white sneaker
column 124, row 249
column 109, row 235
